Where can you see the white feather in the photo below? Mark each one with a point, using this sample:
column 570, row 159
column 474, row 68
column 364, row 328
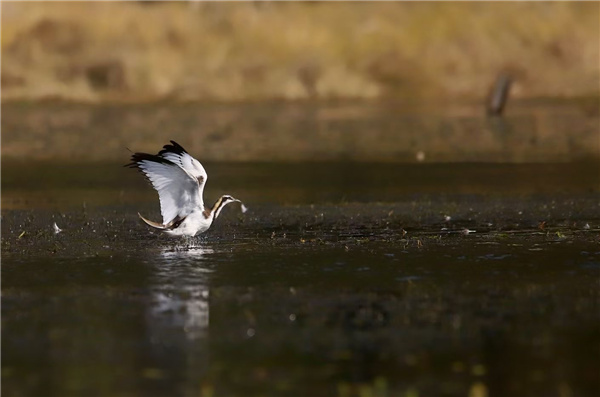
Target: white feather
column 189, row 164
column 178, row 191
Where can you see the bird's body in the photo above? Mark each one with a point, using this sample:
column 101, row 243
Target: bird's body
column 179, row 180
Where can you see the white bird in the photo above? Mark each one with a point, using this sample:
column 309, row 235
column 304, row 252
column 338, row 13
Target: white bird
column 179, row 180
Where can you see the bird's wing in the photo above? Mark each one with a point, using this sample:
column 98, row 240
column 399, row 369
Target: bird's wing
column 178, row 155
column 178, row 191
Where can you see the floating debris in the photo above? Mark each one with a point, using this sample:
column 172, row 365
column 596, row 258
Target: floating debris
column 56, row 228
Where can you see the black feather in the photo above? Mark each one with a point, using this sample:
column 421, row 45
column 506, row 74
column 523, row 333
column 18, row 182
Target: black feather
column 173, row 148
column 136, row 158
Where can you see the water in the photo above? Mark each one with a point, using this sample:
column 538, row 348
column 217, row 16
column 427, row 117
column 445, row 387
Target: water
column 342, row 279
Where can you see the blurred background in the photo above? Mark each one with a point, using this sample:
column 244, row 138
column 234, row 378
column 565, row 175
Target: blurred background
column 384, row 81
column 422, row 181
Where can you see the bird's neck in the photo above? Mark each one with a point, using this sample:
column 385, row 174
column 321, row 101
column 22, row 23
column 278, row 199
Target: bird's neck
column 215, row 210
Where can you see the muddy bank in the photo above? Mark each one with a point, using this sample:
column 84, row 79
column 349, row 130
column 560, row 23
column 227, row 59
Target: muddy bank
column 537, row 132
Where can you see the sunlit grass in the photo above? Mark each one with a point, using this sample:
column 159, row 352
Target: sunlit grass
column 259, row 50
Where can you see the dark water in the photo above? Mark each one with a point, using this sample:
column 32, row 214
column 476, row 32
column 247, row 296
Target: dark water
column 341, row 279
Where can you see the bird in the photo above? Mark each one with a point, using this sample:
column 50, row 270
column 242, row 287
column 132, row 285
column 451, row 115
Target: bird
column 179, row 180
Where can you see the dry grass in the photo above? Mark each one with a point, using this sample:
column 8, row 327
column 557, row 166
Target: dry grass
column 94, row 51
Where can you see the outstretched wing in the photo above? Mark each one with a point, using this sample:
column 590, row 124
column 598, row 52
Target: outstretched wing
column 178, row 191
column 178, row 155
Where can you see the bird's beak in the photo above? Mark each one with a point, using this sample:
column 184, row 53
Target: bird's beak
column 243, row 207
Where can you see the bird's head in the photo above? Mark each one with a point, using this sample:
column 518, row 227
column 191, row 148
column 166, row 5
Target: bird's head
column 223, row 201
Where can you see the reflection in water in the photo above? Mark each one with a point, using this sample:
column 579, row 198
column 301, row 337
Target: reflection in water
column 186, row 253
column 387, row 315
column 181, row 297
column 361, row 288
column 191, row 313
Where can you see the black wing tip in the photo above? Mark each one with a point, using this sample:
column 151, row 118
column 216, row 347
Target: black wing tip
column 137, row 158
column 174, row 147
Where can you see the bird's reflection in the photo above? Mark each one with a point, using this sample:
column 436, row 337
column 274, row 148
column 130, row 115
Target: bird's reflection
column 180, row 298
column 186, row 253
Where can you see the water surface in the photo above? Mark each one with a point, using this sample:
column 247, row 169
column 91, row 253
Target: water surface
column 341, row 279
